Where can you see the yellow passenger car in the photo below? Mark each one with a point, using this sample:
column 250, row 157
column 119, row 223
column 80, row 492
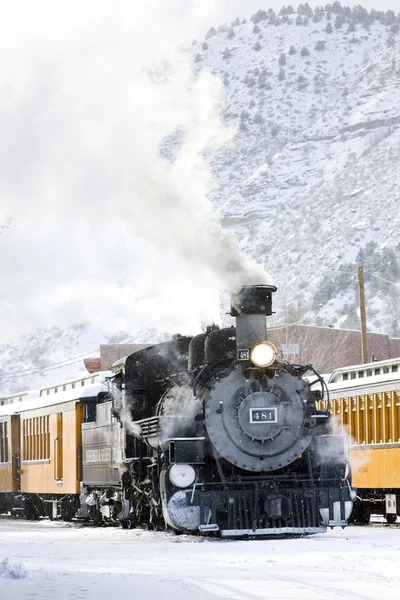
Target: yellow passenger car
column 40, row 448
column 365, row 403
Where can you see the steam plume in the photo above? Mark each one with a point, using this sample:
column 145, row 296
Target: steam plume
column 102, row 217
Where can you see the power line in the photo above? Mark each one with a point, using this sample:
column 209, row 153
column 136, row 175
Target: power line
column 382, row 278
column 66, row 362
column 309, row 312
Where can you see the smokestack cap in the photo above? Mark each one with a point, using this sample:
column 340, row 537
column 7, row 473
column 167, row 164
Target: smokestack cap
column 252, row 300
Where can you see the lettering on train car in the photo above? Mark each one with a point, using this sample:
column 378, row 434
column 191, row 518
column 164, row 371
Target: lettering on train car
column 98, row 455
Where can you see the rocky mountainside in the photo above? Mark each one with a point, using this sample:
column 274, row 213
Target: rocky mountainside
column 313, row 182
column 311, row 186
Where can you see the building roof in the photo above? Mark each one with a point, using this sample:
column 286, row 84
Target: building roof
column 92, row 364
column 111, row 353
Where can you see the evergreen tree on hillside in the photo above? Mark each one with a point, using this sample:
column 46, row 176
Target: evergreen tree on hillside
column 336, row 8
column 211, row 32
column 260, row 15
column 339, row 21
column 304, row 9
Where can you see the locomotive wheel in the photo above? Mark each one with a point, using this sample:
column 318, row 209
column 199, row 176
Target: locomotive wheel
column 361, row 513
column 158, row 524
column 128, row 524
column 31, row 512
column 391, row 518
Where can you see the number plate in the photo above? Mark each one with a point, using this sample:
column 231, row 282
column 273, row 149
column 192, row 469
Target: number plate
column 263, row 415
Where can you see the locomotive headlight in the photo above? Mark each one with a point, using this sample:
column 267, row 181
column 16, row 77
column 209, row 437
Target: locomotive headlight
column 263, row 354
column 182, row 476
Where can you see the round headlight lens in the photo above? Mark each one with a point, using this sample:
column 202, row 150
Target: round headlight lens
column 182, row 476
column 263, row 354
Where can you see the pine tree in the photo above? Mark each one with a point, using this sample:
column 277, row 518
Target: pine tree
column 211, row 32
column 258, row 118
column 282, row 60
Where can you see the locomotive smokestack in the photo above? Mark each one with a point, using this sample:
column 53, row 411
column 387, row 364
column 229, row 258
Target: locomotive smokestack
column 250, row 306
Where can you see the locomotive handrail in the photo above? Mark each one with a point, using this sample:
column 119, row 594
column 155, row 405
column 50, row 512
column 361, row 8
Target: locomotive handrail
column 79, row 473
column 55, row 452
column 16, row 466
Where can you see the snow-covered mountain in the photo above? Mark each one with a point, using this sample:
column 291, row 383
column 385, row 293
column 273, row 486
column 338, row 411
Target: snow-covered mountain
column 312, row 183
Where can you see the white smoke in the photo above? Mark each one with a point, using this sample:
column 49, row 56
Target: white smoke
column 123, row 411
column 106, row 228
column 178, row 413
column 329, row 453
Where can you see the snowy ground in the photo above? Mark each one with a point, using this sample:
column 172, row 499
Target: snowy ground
column 66, row 562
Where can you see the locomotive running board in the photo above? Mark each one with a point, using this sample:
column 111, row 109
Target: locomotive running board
column 210, row 527
column 272, row 531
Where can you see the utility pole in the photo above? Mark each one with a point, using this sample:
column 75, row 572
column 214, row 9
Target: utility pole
column 363, row 316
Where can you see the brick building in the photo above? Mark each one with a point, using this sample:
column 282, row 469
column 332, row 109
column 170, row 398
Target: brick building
column 109, row 354
column 324, row 347
column 327, row 348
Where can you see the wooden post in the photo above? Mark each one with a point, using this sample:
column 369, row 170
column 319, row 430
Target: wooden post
column 363, row 316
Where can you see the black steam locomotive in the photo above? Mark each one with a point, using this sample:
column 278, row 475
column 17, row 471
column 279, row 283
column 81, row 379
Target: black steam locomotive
column 215, row 434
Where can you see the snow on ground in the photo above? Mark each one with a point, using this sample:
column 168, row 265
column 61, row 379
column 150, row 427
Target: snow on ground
column 67, row 562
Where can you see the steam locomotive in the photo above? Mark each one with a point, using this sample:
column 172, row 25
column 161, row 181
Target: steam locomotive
column 215, row 434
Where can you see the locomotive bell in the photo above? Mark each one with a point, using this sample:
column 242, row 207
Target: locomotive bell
column 250, row 306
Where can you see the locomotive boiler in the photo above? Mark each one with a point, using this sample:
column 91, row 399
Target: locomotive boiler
column 216, row 434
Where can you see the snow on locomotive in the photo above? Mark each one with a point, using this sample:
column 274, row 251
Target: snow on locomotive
column 215, row 434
